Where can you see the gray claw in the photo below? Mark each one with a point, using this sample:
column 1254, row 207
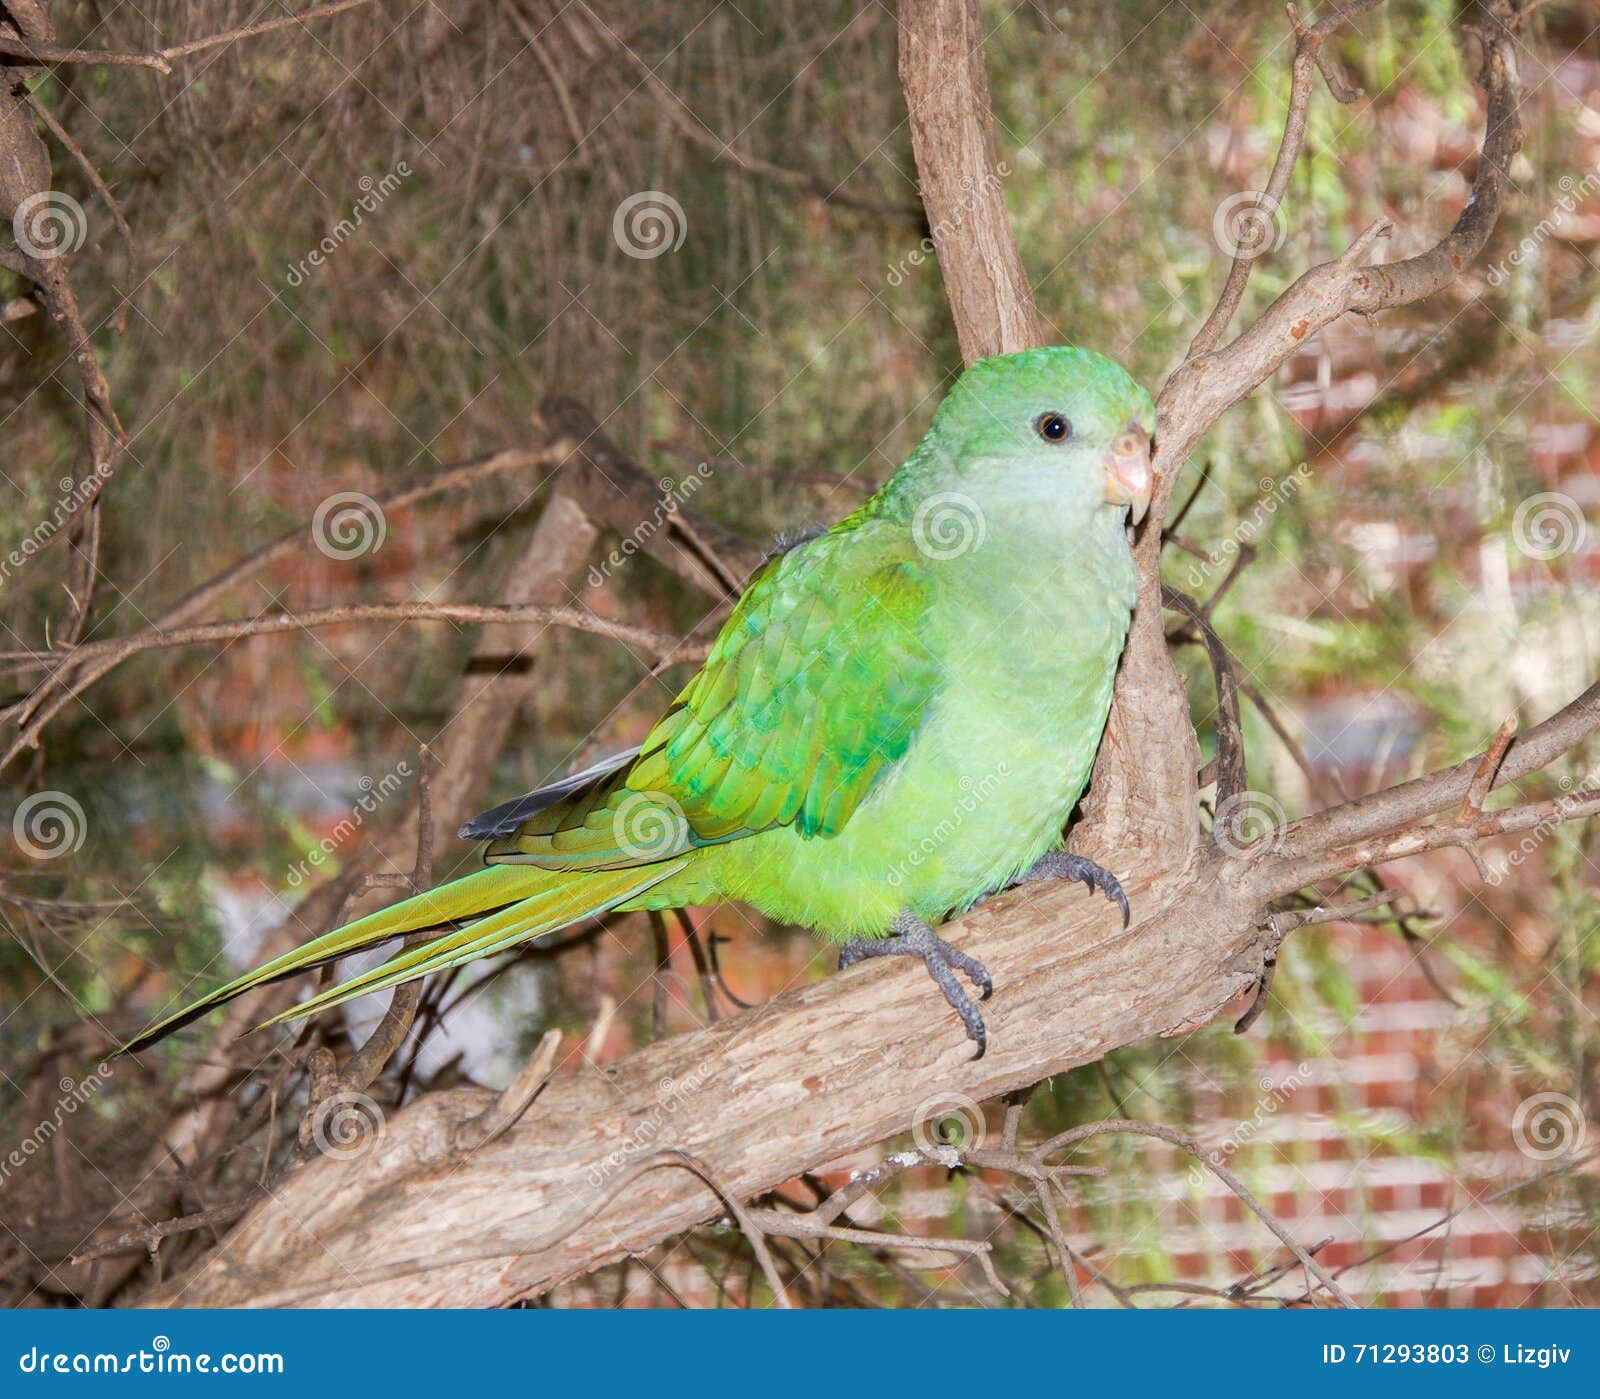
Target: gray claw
column 909, row 936
column 1058, row 864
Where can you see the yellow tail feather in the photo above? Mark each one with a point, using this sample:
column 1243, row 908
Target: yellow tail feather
column 479, row 893
column 570, row 899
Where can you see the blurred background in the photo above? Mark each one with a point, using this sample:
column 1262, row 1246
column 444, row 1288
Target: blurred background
column 370, row 248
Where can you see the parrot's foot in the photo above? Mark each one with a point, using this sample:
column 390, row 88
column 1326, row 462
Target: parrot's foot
column 1058, row 864
column 909, row 936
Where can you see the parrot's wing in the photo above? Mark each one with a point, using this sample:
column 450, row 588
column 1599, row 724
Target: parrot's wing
column 814, row 688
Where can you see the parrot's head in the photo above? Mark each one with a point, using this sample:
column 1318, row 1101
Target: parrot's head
column 1066, row 428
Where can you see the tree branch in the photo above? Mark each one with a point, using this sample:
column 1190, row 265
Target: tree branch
column 162, row 59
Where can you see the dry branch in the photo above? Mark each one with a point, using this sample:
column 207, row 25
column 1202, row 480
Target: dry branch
column 63, row 684
column 162, row 59
column 350, row 614
column 952, row 135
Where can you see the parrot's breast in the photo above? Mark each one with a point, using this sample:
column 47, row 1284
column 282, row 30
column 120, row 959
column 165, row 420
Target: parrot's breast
column 1005, row 750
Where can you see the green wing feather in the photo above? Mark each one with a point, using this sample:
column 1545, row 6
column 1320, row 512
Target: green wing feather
column 815, row 686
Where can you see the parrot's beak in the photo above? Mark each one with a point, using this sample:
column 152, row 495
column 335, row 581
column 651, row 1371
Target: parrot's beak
column 1129, row 479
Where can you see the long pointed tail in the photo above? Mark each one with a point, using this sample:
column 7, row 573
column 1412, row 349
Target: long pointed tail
column 507, row 904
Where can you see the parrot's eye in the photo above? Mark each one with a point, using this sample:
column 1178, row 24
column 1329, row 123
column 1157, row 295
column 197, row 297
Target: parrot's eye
column 1053, row 427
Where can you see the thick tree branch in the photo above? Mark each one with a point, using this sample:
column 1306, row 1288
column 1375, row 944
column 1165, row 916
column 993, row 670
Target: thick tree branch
column 952, row 135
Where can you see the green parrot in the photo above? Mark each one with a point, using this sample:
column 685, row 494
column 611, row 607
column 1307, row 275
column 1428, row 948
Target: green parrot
column 896, row 720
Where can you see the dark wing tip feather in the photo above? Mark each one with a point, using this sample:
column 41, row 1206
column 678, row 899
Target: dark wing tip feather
column 161, row 1029
column 500, row 821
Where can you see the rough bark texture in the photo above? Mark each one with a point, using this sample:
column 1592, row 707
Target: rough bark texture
column 952, row 135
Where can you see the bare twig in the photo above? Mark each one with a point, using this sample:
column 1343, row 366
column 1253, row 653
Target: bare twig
column 162, row 59
column 55, row 691
column 1191, row 1147
column 506, row 1110
column 149, row 1237
column 1483, row 778
column 1308, row 58
column 77, row 152
column 1231, row 776
column 108, row 654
